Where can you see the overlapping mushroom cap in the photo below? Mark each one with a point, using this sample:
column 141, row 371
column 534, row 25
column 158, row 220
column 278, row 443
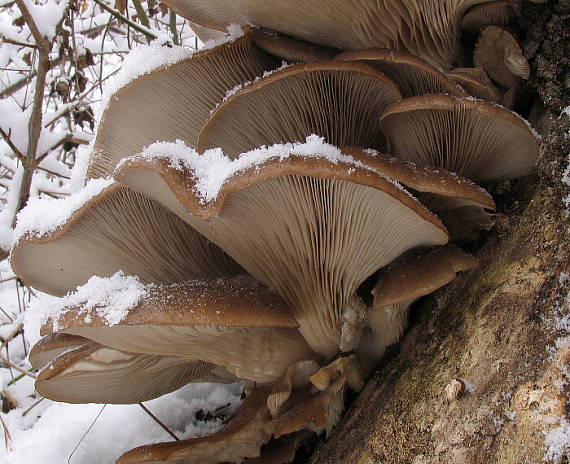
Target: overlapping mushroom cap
column 425, row 28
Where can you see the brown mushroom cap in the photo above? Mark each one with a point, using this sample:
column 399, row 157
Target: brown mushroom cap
column 290, row 49
column 425, row 28
column 310, row 229
column 242, row 437
column 173, row 102
column 234, row 323
column 476, row 82
column 50, row 347
column 117, row 229
column 97, row 374
column 472, row 138
column 415, row 276
column 337, row 100
column 411, row 74
column 497, row 13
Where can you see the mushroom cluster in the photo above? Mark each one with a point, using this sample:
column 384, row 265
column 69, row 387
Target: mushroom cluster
column 268, row 209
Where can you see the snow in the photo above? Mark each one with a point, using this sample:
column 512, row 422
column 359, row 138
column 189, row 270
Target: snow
column 566, row 174
column 44, row 215
column 47, row 15
column 111, row 297
column 212, row 168
column 117, row 429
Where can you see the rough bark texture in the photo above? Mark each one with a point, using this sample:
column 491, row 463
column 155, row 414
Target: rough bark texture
column 494, row 328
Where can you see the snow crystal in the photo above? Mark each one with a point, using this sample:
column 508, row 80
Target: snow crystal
column 111, row 297
column 212, row 168
column 46, row 16
column 44, row 215
column 234, row 30
column 557, row 441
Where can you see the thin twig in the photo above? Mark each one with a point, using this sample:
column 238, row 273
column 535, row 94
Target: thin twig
column 7, row 436
column 143, row 30
column 32, row 406
column 157, row 420
column 85, row 434
column 13, row 147
column 12, row 334
column 19, row 44
column 19, row 369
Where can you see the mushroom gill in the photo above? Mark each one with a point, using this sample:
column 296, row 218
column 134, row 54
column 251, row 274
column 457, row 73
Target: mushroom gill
column 172, row 102
column 311, row 229
column 117, row 229
column 337, row 100
column 473, row 138
column 425, row 28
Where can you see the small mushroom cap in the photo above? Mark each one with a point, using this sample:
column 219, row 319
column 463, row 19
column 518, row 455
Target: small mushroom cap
column 233, row 323
column 97, row 374
column 173, row 102
column 499, row 13
column 242, row 437
column 291, row 49
column 500, row 55
column 416, row 276
column 411, row 74
column 476, row 82
column 117, row 229
column 472, row 138
column 337, row 100
column 427, row 29
column 311, row 229
column 50, row 347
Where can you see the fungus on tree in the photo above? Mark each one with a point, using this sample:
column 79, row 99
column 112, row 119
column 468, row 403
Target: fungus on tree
column 411, row 74
column 473, row 138
column 337, row 100
column 427, row 29
column 172, row 102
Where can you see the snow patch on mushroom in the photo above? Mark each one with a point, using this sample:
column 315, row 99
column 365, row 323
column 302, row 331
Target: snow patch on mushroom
column 42, row 216
column 212, row 168
column 111, row 297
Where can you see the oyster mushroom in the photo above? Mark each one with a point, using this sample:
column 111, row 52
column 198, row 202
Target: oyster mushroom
column 337, row 100
column 411, row 74
column 496, row 13
column 476, row 82
column 426, row 29
column 234, row 323
column 93, row 373
column 50, row 347
column 472, row 138
column 309, row 228
column 500, row 55
column 173, row 102
column 113, row 229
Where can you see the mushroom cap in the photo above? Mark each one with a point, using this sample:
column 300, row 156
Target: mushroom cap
column 497, row 13
column 425, row 28
column 311, row 229
column 93, row 373
column 50, row 347
column 414, row 276
column 173, row 102
column 476, row 82
column 411, row 74
column 117, row 229
column 242, row 437
column 233, row 323
column 337, row 100
column 472, row 138
column 291, row 49
column 500, row 55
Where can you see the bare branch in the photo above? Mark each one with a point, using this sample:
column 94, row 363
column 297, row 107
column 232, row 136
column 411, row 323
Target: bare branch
column 38, row 37
column 137, row 27
column 15, row 42
column 13, row 147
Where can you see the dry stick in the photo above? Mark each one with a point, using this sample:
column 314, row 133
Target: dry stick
column 23, row 82
column 19, row 44
column 7, row 436
column 85, row 434
column 157, row 420
column 13, row 147
column 8, row 279
column 12, row 334
column 19, row 369
column 32, row 406
column 148, row 33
